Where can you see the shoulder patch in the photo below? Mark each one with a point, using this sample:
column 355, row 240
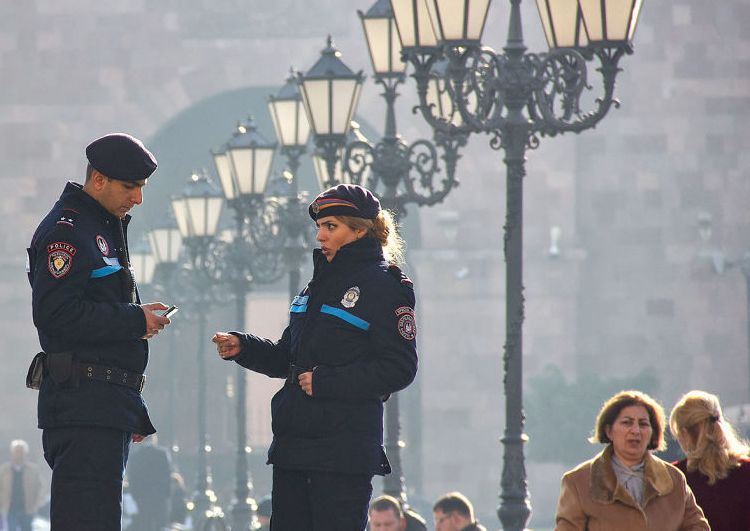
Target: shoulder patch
column 399, row 275
column 60, row 258
column 407, row 324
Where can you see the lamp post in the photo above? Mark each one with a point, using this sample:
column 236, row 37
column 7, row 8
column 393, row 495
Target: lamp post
column 292, row 132
column 197, row 213
column 244, row 165
column 516, row 97
column 166, row 244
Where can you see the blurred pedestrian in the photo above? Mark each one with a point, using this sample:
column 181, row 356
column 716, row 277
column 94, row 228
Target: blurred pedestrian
column 351, row 341
column 149, row 476
column 454, row 512
column 717, row 466
column 625, row 487
column 21, row 489
column 178, row 500
column 263, row 513
column 93, row 331
column 385, row 514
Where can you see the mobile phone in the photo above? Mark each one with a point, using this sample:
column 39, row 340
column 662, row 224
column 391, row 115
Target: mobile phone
column 171, row 311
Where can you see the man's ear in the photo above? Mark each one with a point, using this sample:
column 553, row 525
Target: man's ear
column 402, row 523
column 98, row 179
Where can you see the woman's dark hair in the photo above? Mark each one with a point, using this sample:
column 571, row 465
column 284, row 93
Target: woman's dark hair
column 612, row 408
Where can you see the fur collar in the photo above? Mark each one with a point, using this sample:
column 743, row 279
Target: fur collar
column 606, row 489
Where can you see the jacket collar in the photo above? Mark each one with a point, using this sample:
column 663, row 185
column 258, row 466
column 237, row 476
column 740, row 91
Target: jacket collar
column 74, row 195
column 350, row 257
column 605, row 489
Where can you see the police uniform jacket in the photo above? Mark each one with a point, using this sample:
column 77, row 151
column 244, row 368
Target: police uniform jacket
column 81, row 303
column 354, row 327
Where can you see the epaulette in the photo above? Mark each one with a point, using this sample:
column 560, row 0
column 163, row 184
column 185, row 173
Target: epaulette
column 68, row 217
column 399, row 275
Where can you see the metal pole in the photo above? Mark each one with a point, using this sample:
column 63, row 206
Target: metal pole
column 394, row 483
column 515, row 508
column 201, row 497
column 242, row 513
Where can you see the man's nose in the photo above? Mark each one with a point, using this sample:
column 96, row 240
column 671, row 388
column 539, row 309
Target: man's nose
column 138, row 196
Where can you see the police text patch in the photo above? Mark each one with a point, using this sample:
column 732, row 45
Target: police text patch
column 407, row 325
column 60, row 258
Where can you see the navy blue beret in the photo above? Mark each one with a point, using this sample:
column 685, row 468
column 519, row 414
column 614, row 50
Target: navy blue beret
column 345, row 200
column 122, row 157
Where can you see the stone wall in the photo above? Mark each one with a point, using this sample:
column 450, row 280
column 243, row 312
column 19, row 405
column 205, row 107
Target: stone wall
column 629, row 290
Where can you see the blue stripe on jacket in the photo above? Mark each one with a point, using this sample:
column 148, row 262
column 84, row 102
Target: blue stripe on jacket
column 346, row 316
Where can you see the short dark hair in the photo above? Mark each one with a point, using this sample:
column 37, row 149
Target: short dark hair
column 386, row 503
column 612, row 408
column 89, row 172
column 454, row 502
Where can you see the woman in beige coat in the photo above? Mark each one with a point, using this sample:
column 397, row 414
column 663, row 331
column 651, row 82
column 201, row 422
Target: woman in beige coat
column 625, row 488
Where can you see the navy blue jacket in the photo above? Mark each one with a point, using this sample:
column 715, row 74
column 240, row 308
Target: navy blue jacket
column 354, row 326
column 80, row 303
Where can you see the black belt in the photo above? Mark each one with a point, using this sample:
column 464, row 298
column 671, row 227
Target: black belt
column 113, row 375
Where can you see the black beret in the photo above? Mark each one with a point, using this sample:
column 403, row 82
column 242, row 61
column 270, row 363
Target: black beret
column 122, row 157
column 345, row 200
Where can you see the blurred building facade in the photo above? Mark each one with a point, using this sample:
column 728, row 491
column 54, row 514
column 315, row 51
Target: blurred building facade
column 625, row 288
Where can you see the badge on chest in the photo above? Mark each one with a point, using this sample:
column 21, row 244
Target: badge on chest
column 350, row 298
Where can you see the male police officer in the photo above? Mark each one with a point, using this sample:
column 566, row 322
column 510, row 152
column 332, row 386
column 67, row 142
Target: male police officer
column 92, row 329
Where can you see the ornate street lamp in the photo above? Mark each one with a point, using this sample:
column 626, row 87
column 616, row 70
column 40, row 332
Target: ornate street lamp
column 197, row 213
column 290, row 121
column 339, row 174
column 292, row 131
column 405, row 172
column 516, row 97
column 142, row 260
column 244, row 165
column 165, row 243
column 330, row 92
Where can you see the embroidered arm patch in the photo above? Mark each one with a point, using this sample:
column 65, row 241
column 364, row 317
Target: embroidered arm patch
column 60, row 258
column 407, row 325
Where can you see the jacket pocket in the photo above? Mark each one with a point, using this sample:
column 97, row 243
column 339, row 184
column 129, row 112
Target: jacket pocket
column 295, row 414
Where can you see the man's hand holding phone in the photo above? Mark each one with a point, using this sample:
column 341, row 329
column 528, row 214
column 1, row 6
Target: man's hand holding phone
column 154, row 321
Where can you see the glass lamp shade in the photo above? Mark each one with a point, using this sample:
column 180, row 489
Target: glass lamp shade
column 166, row 244
column 143, row 263
column 382, row 38
column 611, row 22
column 458, row 23
column 414, row 23
column 250, row 157
column 563, row 24
column 288, row 114
column 330, row 91
column 226, row 178
column 340, row 176
column 198, row 210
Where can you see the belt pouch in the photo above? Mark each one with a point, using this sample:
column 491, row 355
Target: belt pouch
column 62, row 368
column 35, row 375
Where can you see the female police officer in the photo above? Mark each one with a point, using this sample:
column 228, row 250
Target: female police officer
column 350, row 342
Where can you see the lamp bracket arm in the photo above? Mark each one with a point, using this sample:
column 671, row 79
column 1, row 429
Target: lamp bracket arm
column 561, row 82
column 358, row 158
